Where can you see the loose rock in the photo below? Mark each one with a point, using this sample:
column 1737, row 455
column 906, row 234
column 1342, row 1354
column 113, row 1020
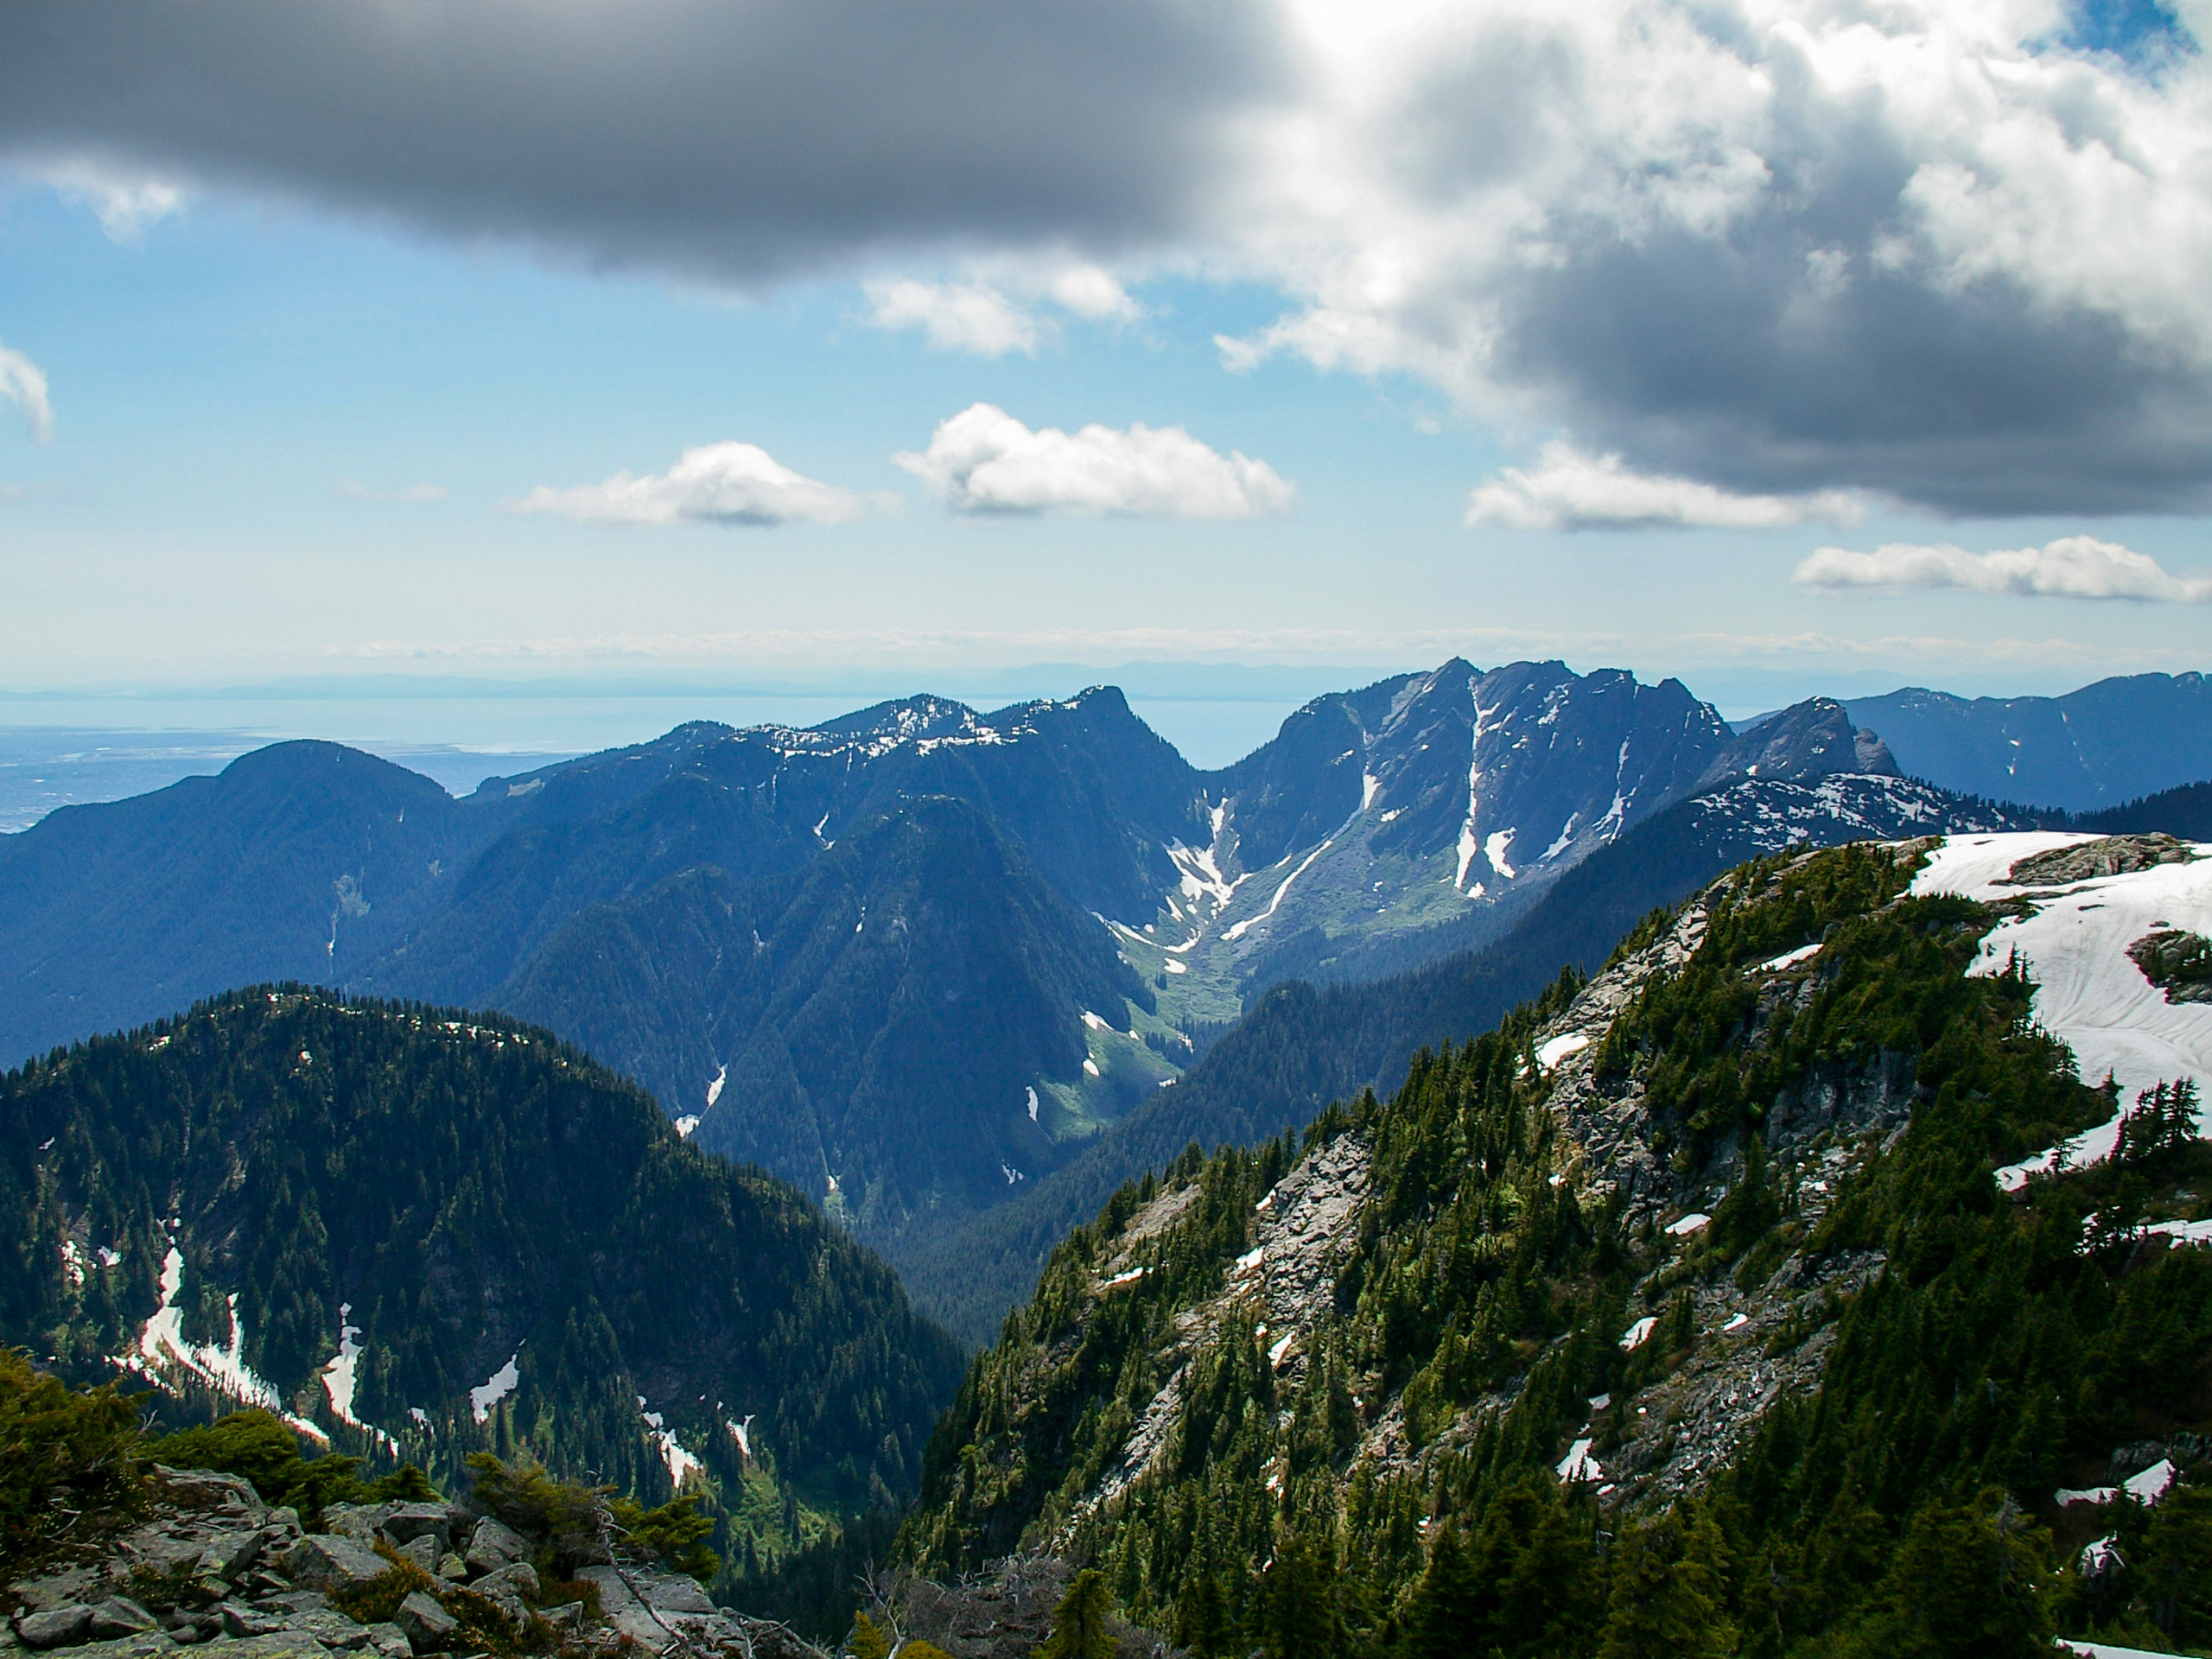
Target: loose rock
column 427, row 1626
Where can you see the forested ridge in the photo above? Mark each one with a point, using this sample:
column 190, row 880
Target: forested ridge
column 512, row 1242
column 1511, row 1419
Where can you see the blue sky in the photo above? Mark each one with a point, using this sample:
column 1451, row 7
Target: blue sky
column 242, row 386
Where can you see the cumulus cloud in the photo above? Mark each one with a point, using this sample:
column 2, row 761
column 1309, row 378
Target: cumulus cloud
column 992, row 316
column 1927, row 249
column 354, row 490
column 1569, row 490
column 954, row 316
column 712, row 484
column 22, row 383
column 1094, row 293
column 2074, row 567
column 983, row 460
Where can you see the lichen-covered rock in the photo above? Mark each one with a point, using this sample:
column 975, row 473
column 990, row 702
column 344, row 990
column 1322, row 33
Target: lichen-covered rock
column 227, row 1554
column 493, row 1545
column 409, row 1522
column 360, row 1521
column 521, row 1575
column 147, row 1644
column 428, row 1628
column 2090, row 861
column 424, row 1552
column 241, row 1620
column 206, row 1489
column 325, row 1561
column 65, row 1626
column 119, row 1616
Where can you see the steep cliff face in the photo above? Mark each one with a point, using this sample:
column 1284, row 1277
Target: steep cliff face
column 1661, row 1253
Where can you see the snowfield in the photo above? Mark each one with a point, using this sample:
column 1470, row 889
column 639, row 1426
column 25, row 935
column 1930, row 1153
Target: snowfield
column 2088, row 993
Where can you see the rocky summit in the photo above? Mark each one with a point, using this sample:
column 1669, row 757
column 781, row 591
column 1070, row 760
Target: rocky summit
column 212, row 1564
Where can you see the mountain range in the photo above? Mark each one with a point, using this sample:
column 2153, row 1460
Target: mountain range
column 869, row 955
column 2100, row 746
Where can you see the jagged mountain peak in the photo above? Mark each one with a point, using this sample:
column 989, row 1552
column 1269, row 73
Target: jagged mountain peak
column 1430, row 798
column 1816, row 737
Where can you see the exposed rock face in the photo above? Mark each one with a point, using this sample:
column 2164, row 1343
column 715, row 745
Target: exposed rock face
column 1286, row 1280
column 2087, row 861
column 2177, row 961
column 213, row 1564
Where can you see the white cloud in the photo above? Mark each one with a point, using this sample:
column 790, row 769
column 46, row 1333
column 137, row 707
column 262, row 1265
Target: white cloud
column 995, row 310
column 1093, row 293
column 1569, row 490
column 712, row 484
column 22, row 383
column 125, row 203
column 2074, row 567
column 955, row 316
column 983, row 460
column 354, row 490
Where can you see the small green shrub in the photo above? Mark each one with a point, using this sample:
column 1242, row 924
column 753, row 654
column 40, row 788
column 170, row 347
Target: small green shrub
column 375, row 1602
column 675, row 1533
column 535, row 1504
column 69, row 1464
column 258, row 1445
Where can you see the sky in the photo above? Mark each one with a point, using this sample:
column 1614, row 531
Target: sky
column 731, row 350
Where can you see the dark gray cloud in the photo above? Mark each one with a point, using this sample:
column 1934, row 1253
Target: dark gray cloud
column 733, row 138
column 1822, row 248
column 1720, row 362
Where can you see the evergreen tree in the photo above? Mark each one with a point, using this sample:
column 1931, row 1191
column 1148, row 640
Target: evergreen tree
column 1446, row 1610
column 2177, row 1572
column 1967, row 1580
column 1668, row 1599
column 1204, row 1623
column 1079, row 1622
column 1297, row 1612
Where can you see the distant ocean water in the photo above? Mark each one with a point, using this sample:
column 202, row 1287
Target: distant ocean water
column 63, row 751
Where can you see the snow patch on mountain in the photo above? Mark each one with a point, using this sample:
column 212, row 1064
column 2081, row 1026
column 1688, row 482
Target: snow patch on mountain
column 1274, row 903
column 338, row 1379
column 501, row 1384
column 1495, row 846
column 681, row 1463
column 162, row 1346
column 2072, row 940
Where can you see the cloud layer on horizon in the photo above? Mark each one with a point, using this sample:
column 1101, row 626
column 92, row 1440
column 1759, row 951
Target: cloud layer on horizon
column 2074, row 567
column 984, row 461
column 1941, row 250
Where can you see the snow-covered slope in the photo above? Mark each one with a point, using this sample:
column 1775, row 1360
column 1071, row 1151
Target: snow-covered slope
column 2073, row 936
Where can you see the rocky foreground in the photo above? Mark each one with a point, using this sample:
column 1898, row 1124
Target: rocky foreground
column 214, row 1565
